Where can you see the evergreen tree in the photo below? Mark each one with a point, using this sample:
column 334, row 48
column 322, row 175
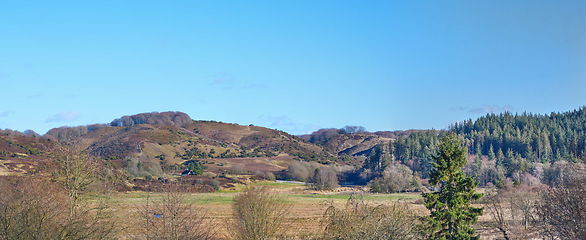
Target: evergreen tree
column 509, row 158
column 451, row 212
column 477, row 163
column 491, row 154
column 378, row 160
column 500, row 158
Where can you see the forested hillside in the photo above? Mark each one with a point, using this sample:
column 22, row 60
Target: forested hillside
column 538, row 138
column 522, row 148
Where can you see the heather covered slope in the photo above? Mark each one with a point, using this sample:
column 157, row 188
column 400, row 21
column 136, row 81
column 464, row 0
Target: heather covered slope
column 172, row 138
column 22, row 153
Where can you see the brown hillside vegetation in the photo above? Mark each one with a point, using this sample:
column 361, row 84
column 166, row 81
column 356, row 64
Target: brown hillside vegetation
column 171, row 135
column 160, row 145
column 253, row 137
column 23, row 153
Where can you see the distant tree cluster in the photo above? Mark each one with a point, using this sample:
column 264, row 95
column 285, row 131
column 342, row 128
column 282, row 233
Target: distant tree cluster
column 396, row 178
column 321, row 177
column 195, row 167
column 537, row 138
column 68, row 133
column 387, row 176
column 354, row 129
column 324, row 135
column 522, row 148
column 416, row 150
column 398, row 133
column 178, row 119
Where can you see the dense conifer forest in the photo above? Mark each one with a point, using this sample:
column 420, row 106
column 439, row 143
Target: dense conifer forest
column 537, row 138
column 517, row 146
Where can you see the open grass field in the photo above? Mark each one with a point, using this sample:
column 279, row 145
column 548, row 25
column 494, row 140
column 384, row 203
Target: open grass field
column 306, row 207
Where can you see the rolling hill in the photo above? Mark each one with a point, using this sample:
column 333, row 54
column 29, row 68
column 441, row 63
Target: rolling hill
column 170, row 139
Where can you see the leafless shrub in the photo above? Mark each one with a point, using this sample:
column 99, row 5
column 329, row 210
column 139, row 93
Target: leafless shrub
column 563, row 209
column 209, row 174
column 514, row 211
column 258, row 214
column 173, row 217
column 265, row 175
column 359, row 220
column 301, row 171
column 237, row 169
column 36, row 209
column 26, row 214
column 561, row 173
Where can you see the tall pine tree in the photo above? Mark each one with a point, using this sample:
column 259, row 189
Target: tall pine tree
column 451, row 212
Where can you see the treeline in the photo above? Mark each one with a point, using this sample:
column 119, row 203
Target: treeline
column 324, row 135
column 62, row 134
column 319, row 176
column 541, row 138
column 165, row 118
column 504, row 148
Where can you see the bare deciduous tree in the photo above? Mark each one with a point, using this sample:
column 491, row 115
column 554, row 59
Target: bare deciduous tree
column 35, row 209
column 324, row 178
column 173, row 217
column 75, row 172
column 514, row 211
column 563, row 210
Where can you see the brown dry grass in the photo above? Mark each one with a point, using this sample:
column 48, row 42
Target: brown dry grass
column 306, row 208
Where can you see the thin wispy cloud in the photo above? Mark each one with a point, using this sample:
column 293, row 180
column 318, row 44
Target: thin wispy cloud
column 491, row 109
column 484, row 109
column 5, row 114
column 227, row 82
column 253, row 86
column 5, row 75
column 459, row 108
column 63, row 117
column 35, row 96
column 221, row 81
column 284, row 123
column 280, row 121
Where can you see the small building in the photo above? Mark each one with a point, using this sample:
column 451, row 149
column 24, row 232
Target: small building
column 187, row 172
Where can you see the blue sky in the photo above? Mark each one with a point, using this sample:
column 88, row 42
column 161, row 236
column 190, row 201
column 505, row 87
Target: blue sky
column 295, row 66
